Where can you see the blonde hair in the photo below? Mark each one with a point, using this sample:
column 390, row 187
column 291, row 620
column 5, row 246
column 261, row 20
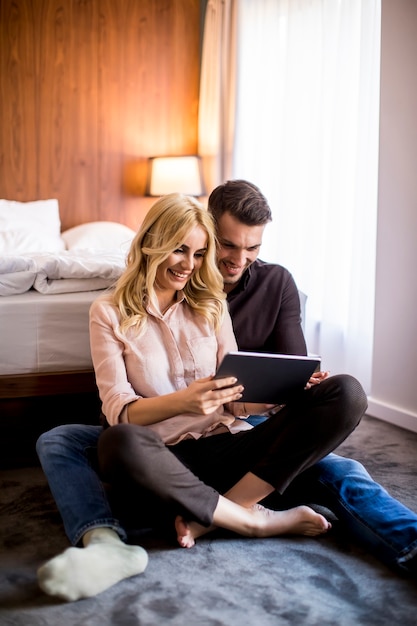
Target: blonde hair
column 164, row 230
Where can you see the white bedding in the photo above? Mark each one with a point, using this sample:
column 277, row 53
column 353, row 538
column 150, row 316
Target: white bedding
column 45, row 333
column 48, row 281
column 61, row 272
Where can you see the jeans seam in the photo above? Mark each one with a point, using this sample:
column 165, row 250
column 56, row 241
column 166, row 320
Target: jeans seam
column 101, row 523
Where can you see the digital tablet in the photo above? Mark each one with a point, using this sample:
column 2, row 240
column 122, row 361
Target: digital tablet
column 268, row 378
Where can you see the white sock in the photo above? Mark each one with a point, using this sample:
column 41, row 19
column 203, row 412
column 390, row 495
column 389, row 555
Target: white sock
column 84, row 572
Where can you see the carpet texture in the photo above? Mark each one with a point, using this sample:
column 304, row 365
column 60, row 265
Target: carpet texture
column 224, row 579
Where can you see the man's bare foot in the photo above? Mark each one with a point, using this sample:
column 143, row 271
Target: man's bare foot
column 260, row 522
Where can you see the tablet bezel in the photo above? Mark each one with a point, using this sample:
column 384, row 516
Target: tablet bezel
column 268, row 378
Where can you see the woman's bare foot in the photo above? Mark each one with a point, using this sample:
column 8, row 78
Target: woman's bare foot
column 188, row 532
column 263, row 522
column 301, row 520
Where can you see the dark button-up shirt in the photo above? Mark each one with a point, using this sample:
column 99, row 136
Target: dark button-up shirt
column 265, row 310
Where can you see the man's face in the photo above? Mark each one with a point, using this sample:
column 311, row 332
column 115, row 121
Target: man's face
column 239, row 246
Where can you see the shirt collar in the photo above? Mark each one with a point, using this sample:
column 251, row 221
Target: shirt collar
column 156, row 313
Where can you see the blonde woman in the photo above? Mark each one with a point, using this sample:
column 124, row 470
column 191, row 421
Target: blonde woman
column 173, row 430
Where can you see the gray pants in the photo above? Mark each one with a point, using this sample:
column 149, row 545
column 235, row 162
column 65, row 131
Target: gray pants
column 190, row 475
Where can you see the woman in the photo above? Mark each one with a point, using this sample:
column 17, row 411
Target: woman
column 175, row 431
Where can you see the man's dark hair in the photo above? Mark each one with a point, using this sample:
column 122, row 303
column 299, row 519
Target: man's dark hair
column 243, row 200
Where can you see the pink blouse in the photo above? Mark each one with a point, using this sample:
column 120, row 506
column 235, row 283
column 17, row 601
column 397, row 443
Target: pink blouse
column 175, row 349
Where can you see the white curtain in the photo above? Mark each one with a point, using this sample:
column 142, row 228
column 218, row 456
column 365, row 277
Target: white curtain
column 217, row 92
column 306, row 132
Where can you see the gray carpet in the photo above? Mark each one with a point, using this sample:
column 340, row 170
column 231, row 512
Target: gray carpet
column 223, row 580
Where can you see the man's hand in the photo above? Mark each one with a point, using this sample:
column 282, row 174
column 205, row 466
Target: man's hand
column 316, row 379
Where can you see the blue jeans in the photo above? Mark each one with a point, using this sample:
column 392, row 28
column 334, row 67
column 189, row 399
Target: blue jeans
column 373, row 517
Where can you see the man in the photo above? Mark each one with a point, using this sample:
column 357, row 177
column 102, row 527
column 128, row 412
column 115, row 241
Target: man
column 262, row 297
column 264, row 305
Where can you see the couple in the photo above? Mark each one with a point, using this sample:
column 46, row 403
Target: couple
column 173, row 432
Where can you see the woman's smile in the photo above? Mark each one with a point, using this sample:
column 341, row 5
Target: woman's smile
column 180, row 275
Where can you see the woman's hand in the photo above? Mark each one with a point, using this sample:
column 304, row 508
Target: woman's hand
column 206, row 395
column 203, row 396
column 316, row 379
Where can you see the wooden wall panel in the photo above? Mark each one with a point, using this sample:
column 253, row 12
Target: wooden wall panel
column 68, row 107
column 18, row 124
column 90, row 89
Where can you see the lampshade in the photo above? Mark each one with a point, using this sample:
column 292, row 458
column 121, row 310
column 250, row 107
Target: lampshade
column 172, row 174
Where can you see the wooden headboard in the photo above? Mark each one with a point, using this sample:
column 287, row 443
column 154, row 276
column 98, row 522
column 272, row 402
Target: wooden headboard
column 89, row 91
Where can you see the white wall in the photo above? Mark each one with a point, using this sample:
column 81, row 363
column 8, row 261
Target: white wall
column 394, row 378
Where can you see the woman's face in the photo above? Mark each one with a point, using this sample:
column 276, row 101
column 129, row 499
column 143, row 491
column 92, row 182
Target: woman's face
column 174, row 273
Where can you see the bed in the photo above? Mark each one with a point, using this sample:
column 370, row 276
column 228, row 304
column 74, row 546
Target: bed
column 48, row 280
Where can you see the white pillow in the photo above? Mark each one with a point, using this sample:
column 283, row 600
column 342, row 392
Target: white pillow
column 99, row 236
column 30, row 227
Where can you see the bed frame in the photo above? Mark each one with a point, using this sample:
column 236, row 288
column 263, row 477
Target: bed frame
column 34, row 403
column 46, row 384
column 47, row 376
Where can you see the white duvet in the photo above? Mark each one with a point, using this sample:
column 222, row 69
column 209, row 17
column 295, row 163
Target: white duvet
column 60, row 272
